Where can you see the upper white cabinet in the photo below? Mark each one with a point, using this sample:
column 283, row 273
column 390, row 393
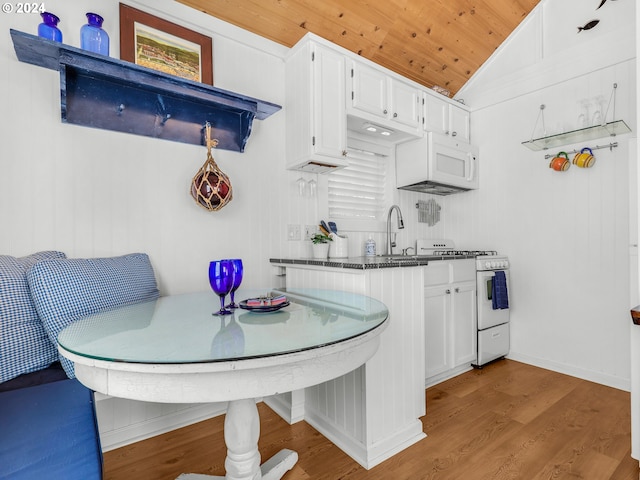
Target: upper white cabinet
column 334, row 97
column 315, row 108
column 444, row 117
column 459, row 123
column 378, row 96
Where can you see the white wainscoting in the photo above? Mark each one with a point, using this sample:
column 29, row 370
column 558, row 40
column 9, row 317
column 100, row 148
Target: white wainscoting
column 373, row 412
column 122, row 421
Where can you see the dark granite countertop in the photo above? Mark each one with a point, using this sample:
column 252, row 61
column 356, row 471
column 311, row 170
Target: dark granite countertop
column 365, row 263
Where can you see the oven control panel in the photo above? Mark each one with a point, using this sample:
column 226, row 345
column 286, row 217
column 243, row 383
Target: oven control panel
column 492, row 262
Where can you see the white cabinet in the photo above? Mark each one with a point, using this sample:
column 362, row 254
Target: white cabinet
column 384, row 99
column 450, row 318
column 315, row 107
column 459, row 123
column 436, row 114
column 437, row 305
column 463, row 299
column 369, row 90
column 441, row 116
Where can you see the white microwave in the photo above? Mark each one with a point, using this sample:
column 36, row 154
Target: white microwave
column 437, row 164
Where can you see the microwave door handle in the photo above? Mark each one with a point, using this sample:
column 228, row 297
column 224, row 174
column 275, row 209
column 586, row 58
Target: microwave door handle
column 472, row 166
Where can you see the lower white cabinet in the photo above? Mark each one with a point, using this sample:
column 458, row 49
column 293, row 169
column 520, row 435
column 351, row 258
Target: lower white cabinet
column 450, row 318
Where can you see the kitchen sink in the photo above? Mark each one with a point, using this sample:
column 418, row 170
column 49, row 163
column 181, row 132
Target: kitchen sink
column 401, row 258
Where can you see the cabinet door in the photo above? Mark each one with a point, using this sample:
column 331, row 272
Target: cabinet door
column 463, row 323
column 330, row 131
column 369, row 90
column 436, row 114
column 405, row 104
column 437, row 305
column 459, row 123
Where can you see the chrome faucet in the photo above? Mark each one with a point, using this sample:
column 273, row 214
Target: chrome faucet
column 391, row 244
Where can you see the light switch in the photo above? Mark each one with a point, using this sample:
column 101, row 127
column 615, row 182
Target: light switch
column 293, row 232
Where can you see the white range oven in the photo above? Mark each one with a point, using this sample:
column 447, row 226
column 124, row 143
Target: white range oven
column 492, row 280
column 492, row 293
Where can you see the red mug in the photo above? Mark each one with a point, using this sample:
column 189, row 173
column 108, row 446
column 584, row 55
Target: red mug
column 560, row 163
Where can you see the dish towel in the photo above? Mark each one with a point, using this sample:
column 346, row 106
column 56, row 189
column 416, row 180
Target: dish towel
column 499, row 294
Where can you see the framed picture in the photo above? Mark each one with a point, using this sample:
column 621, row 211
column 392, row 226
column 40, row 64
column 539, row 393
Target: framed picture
column 164, row 46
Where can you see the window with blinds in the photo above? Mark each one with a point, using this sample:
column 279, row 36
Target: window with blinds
column 358, row 190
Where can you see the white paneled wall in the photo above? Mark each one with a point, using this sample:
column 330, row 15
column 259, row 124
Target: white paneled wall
column 567, row 234
column 91, row 192
column 412, row 228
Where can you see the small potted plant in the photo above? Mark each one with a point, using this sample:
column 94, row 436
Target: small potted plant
column 321, row 245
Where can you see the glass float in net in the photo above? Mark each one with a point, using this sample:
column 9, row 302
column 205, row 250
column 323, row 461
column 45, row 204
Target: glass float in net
column 211, row 187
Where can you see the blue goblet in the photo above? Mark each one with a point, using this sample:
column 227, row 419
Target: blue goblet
column 221, row 281
column 237, row 280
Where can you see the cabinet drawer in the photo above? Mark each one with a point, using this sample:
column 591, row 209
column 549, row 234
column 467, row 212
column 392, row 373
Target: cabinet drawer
column 437, row 273
column 463, row 270
column 449, row 271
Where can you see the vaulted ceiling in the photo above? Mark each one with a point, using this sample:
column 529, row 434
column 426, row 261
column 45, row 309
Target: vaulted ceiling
column 433, row 42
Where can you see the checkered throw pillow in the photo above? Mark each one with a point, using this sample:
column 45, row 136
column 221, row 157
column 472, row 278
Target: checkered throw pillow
column 24, row 344
column 65, row 290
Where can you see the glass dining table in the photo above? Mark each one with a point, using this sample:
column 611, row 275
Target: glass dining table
column 173, row 350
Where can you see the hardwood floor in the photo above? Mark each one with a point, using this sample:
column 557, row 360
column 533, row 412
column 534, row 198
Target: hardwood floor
column 506, row 421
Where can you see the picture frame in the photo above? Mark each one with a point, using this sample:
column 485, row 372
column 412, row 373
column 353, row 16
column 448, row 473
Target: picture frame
column 156, row 43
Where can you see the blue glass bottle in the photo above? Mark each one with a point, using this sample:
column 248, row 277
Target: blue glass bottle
column 93, row 37
column 49, row 27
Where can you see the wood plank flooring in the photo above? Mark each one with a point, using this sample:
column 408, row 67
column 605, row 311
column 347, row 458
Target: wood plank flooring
column 507, row 421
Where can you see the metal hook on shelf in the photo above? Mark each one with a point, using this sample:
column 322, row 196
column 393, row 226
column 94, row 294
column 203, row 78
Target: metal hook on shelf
column 610, row 146
column 162, row 112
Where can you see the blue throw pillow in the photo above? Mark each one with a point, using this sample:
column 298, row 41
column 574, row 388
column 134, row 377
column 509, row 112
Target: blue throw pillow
column 24, row 344
column 65, row 290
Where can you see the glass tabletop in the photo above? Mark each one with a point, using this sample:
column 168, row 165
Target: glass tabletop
column 183, row 329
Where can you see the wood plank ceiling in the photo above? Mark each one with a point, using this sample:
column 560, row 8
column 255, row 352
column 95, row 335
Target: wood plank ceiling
column 433, row 42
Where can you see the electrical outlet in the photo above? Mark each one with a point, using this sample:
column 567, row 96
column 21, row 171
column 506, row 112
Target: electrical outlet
column 293, row 232
column 309, row 230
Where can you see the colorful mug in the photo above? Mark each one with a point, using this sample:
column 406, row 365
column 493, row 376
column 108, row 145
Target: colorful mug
column 583, row 159
column 560, row 163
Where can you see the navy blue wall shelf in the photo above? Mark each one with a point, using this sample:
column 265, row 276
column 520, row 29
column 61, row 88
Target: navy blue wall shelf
column 111, row 94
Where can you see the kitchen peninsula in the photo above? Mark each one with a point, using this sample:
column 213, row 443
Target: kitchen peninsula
column 373, row 412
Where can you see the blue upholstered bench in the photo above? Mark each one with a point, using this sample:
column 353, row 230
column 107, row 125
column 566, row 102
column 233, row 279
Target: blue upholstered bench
column 48, row 427
column 49, row 431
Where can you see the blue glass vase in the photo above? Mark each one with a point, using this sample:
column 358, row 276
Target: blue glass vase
column 49, row 27
column 93, row 37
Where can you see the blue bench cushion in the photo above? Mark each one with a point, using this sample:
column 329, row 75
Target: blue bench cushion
column 65, row 290
column 49, row 431
column 24, row 344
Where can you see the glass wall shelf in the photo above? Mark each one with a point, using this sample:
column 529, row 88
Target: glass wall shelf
column 610, row 129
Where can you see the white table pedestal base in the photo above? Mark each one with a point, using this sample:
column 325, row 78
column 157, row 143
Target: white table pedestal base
column 241, row 433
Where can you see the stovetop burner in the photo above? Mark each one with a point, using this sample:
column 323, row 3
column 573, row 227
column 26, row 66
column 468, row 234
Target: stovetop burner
column 447, row 248
column 474, row 253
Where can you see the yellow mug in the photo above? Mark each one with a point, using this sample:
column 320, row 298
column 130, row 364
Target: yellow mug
column 583, row 159
column 559, row 163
